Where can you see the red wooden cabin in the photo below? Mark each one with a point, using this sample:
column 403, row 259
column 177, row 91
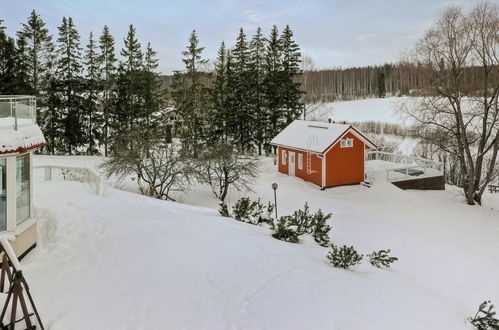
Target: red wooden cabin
column 327, row 154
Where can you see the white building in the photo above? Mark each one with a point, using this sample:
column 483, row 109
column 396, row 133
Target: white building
column 19, row 137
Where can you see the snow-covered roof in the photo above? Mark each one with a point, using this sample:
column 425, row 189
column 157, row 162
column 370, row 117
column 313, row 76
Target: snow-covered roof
column 313, row 135
column 22, row 139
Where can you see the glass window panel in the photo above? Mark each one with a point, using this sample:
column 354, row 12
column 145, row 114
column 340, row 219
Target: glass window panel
column 23, row 188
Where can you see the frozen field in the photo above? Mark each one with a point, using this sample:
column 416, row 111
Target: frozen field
column 124, row 261
column 380, row 110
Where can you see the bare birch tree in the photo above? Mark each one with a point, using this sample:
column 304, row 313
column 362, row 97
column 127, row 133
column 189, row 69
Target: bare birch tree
column 460, row 119
column 158, row 167
column 222, row 167
column 313, row 107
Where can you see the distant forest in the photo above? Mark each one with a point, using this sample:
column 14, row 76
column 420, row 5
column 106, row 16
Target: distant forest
column 392, row 79
column 377, row 81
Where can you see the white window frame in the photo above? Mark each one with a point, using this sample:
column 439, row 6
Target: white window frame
column 283, row 156
column 346, row 143
column 300, row 161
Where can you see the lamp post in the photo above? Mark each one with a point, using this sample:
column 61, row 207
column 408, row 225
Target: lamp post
column 274, row 186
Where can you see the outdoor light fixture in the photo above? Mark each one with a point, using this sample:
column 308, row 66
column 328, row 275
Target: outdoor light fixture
column 274, row 186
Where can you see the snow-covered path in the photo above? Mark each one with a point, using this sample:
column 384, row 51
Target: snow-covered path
column 125, row 261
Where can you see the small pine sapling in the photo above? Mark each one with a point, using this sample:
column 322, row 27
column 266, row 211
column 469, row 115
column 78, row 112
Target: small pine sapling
column 344, row 257
column 246, row 211
column 267, row 218
column 284, row 233
column 485, row 318
column 269, row 210
column 381, row 259
column 301, row 220
column 320, row 228
column 241, row 209
column 224, row 210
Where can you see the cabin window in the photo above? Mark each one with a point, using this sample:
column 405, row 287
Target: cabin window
column 3, row 196
column 23, row 204
column 300, row 161
column 346, row 143
column 283, row 157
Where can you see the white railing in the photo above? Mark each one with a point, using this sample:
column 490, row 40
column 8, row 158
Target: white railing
column 410, row 167
column 17, row 111
column 70, row 173
column 411, row 173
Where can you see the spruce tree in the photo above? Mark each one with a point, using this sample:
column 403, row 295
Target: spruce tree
column 91, row 117
column 7, row 63
column 151, row 87
column 69, row 75
column 220, row 110
column 129, row 104
column 273, row 87
column 21, row 78
column 243, row 118
column 380, row 88
column 51, row 116
column 38, row 52
column 131, row 53
column 192, row 98
column 291, row 69
column 107, row 67
column 257, row 88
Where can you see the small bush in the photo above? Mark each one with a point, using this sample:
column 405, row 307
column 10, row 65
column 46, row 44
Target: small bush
column 303, row 222
column 321, row 228
column 254, row 212
column 344, row 257
column 485, row 318
column 381, row 259
column 284, row 233
column 224, row 210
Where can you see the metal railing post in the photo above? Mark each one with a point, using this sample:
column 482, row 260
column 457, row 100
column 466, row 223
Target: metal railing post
column 15, row 114
column 48, row 173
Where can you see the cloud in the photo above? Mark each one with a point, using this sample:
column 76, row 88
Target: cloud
column 255, row 16
column 366, row 36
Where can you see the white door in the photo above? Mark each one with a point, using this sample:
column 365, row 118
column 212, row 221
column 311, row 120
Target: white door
column 291, row 163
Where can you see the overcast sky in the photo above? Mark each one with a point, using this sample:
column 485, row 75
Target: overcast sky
column 335, row 33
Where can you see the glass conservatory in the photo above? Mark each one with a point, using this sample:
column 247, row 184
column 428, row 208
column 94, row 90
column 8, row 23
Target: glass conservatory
column 19, row 137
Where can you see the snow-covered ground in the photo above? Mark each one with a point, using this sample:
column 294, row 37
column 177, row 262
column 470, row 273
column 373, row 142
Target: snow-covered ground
column 384, row 110
column 124, row 261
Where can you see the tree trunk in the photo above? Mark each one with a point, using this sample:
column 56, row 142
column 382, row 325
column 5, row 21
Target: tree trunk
column 226, row 186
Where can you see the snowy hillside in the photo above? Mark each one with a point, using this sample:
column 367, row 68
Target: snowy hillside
column 124, row 261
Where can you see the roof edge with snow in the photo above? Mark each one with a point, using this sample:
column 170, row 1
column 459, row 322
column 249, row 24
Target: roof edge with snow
column 21, row 140
column 316, row 137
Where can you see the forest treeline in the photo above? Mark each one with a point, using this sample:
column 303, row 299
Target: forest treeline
column 378, row 81
column 90, row 98
column 392, row 79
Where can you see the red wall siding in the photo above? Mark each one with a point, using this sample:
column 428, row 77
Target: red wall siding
column 345, row 165
column 315, row 177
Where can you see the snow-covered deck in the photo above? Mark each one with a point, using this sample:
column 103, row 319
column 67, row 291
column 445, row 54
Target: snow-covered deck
column 400, row 167
column 9, row 123
column 18, row 129
column 17, row 111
